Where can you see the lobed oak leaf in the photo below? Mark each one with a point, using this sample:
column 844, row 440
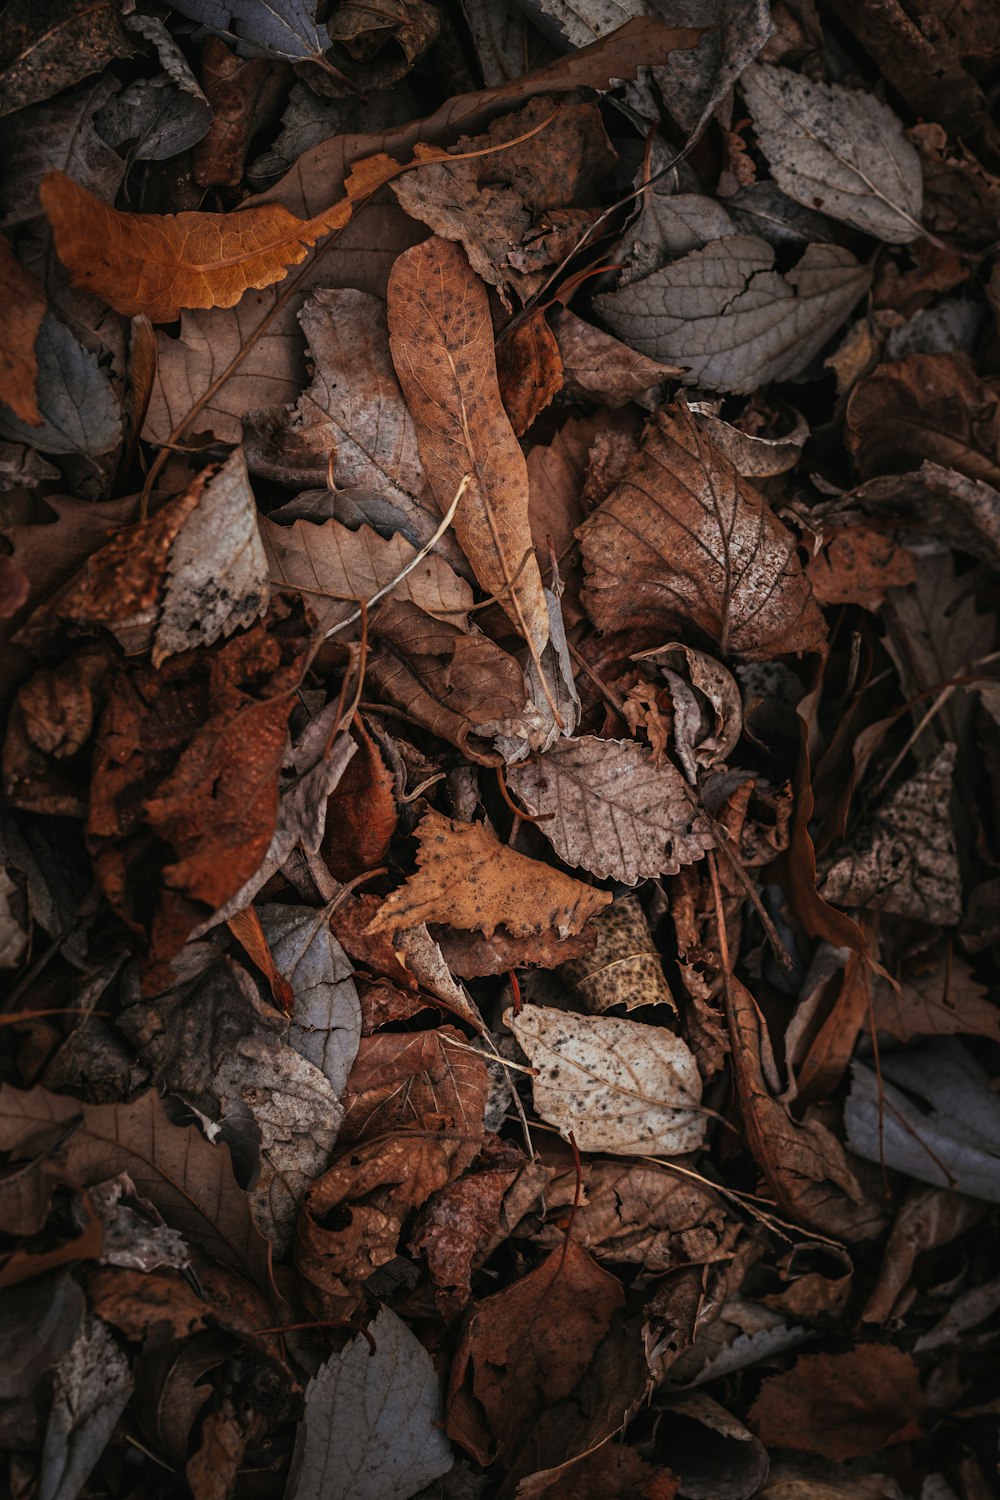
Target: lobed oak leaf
column 441, row 338
column 467, row 879
column 614, row 1085
column 615, row 812
column 685, row 539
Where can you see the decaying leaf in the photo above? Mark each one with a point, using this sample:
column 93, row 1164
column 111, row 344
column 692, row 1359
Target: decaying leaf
column 684, row 538
column 614, row 811
column 25, row 301
column 467, row 879
column 730, row 319
column 612, row 1085
column 624, row 967
column 839, row 151
column 442, row 347
column 373, row 1418
column 841, row 1405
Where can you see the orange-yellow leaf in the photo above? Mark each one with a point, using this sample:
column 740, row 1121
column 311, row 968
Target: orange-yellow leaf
column 24, row 308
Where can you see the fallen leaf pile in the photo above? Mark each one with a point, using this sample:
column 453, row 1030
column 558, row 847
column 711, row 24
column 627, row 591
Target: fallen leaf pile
column 499, row 829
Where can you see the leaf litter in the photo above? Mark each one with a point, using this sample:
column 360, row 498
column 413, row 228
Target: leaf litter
column 499, row 524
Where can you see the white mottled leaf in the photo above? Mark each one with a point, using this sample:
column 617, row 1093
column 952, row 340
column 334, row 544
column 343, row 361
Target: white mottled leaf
column 616, row 1085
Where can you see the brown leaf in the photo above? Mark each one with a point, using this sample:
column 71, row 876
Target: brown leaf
column 414, row 1122
column 50, row 723
column 927, row 406
column 459, row 686
column 624, row 967
column 337, row 569
column 466, row 878
column 158, row 263
column 459, row 1222
column 212, row 1469
column 25, row 306
column 841, row 1405
column 857, row 566
column 184, row 794
column 50, row 44
column 599, row 367
column 613, row 1471
column 936, row 998
column 804, row 1164
column 525, row 1348
column 615, row 812
column 529, row 370
column 361, row 814
column 237, row 88
column 685, row 540
column 188, row 1180
column 349, row 924
column 470, row 955
column 441, row 338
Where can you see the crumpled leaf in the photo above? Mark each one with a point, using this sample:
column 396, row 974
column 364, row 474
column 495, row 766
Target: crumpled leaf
column 242, row 93
column 91, row 1386
column 904, row 860
column 730, row 319
column 373, row 1418
column 685, row 539
column 337, row 569
column 614, row 1085
column 707, row 709
column 190, row 1181
column 624, row 967
column 76, row 402
column 616, row 812
column 442, row 346
column 525, row 1348
column 156, row 118
column 842, row 1405
column 939, row 1122
column 841, row 151
column 467, row 879
column 961, row 511
column 353, row 410
column 158, row 263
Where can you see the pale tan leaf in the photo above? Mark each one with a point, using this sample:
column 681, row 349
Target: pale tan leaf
column 336, row 568
column 441, row 337
column 615, row 812
column 624, row 967
column 684, row 539
column 615, row 1085
column 940, row 1000
column 467, row 879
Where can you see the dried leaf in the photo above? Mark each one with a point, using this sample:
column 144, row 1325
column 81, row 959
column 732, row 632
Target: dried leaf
column 76, row 403
column 624, row 967
column 685, row 539
column 842, row 1405
column 529, row 369
column 467, row 879
column 47, row 45
column 361, row 814
column 158, row 263
column 190, row 1181
column 525, row 1348
column 859, row 566
column 942, row 999
column 372, row 1417
column 237, row 91
column 442, row 346
column 904, row 859
column 26, row 304
column 597, row 367
column 290, row 32
column 326, row 1012
column 91, row 1387
column 614, row 1085
column 59, row 135
column 616, row 812
column 456, row 1225
column 155, row 118
column 469, row 955
column 838, row 150
column 730, row 319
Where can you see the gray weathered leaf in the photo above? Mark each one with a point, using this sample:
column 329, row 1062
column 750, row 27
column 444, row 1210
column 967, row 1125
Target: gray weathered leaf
column 762, row 208
column 838, row 150
column 904, row 859
column 288, row 30
column 501, row 38
column 155, row 118
column 951, row 1138
column 60, row 135
column 615, row 1085
column 615, row 812
column 39, row 1320
column 217, row 577
column 730, row 318
column 78, row 406
column 91, row 1386
column 326, row 1020
column 372, row 1428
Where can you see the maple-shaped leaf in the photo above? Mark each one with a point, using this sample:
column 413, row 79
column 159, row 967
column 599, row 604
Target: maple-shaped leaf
column 614, row 811
column 441, row 337
column 468, row 879
column 684, row 539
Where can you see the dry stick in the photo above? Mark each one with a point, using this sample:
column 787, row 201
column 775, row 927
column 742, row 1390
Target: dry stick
column 722, row 834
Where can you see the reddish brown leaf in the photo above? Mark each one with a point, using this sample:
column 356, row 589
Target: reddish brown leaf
column 237, row 89
column 927, row 406
column 842, row 1405
column 857, row 566
column 459, row 1222
column 361, row 813
column 529, row 369
column 25, row 304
